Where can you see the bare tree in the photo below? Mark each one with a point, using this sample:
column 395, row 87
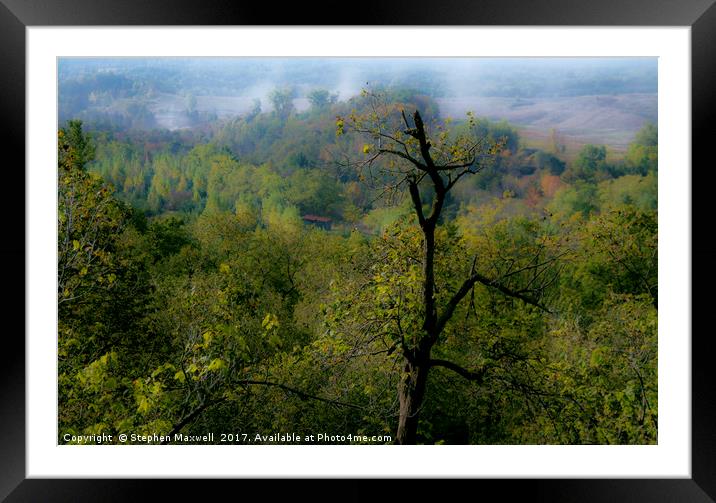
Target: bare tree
column 403, row 155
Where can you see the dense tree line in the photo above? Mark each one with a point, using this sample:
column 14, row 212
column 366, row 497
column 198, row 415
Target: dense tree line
column 193, row 297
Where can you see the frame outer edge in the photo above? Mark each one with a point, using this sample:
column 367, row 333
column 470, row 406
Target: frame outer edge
column 12, row 254
column 703, row 109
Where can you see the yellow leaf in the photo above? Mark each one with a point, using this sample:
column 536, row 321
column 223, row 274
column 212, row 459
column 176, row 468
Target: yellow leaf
column 216, row 364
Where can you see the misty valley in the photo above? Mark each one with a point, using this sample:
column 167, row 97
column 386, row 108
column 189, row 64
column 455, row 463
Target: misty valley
column 357, row 250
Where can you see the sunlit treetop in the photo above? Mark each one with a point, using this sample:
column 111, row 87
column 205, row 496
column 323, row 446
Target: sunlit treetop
column 413, row 149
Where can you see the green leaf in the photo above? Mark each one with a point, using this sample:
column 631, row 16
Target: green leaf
column 207, row 336
column 269, row 322
column 216, row 364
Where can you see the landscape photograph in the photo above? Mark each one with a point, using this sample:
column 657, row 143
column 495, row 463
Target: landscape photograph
column 357, row 251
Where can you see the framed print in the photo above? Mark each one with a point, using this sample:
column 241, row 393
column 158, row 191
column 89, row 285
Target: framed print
column 272, row 185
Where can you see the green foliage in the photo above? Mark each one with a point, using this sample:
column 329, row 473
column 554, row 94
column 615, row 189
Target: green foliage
column 648, row 136
column 89, row 220
column 75, row 149
column 590, row 165
column 549, row 162
column 618, row 254
column 581, row 198
column 642, row 155
column 608, row 369
column 321, row 99
column 629, row 190
column 210, row 306
column 282, row 101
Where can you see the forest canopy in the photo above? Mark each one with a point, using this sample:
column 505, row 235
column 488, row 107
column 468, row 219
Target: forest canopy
column 363, row 266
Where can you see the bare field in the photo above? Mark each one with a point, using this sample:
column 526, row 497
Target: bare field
column 611, row 120
column 533, row 137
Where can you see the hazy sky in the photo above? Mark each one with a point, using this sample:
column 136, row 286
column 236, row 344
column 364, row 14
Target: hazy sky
column 443, row 76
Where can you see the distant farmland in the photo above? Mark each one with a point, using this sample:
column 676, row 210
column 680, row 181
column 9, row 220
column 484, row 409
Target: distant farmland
column 611, row 120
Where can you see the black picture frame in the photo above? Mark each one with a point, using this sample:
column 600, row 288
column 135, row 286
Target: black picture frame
column 700, row 15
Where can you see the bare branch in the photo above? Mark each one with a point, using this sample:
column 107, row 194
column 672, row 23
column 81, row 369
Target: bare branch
column 191, row 417
column 417, row 201
column 468, row 284
column 301, row 394
column 407, row 157
column 534, row 266
column 467, row 374
column 464, row 172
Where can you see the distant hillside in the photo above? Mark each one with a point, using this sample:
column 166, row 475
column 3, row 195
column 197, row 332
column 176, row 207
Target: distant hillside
column 611, row 120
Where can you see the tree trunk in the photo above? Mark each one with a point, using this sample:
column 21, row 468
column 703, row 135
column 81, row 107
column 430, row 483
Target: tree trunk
column 429, row 278
column 411, row 391
column 411, row 388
